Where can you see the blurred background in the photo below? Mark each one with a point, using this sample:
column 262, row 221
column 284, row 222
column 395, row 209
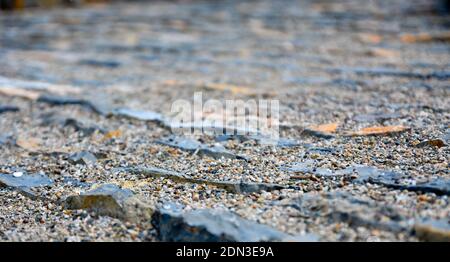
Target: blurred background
column 11, row 5
column 21, row 4
column 360, row 83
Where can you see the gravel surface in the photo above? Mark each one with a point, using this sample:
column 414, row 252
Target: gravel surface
column 343, row 63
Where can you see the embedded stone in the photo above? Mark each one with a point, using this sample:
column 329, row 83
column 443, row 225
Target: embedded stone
column 433, row 230
column 191, row 145
column 231, row 186
column 4, row 109
column 83, row 158
column 353, row 210
column 23, row 182
column 111, row 200
column 210, row 225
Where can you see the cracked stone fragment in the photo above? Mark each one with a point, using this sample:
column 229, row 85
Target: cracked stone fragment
column 439, row 186
column 382, row 71
column 191, row 145
column 65, row 100
column 4, row 109
column 261, row 140
column 215, row 129
column 139, row 114
column 70, row 181
column 308, row 167
column 83, row 158
column 208, row 225
column 234, row 187
column 79, row 126
column 322, row 150
column 368, row 174
column 25, row 182
column 158, row 172
column 433, row 230
column 111, row 200
column 83, row 128
column 245, row 187
column 343, row 207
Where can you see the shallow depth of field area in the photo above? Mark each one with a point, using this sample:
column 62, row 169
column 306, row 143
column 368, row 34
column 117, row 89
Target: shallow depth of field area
column 88, row 153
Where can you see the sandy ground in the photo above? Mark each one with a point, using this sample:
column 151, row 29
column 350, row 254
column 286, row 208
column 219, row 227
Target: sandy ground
column 344, row 63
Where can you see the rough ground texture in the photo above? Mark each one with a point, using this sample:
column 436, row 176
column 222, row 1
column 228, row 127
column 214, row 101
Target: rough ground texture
column 359, row 65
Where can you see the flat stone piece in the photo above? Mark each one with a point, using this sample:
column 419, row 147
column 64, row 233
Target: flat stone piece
column 75, row 182
column 218, row 151
column 181, row 143
column 83, row 158
column 396, row 180
column 79, row 126
column 138, row 114
column 344, row 207
column 111, row 200
column 4, row 109
column 191, row 145
column 66, row 100
column 111, row 190
column 439, row 186
column 308, row 167
column 208, row 225
column 319, row 134
column 234, row 187
column 262, row 140
column 26, row 180
column 433, row 230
